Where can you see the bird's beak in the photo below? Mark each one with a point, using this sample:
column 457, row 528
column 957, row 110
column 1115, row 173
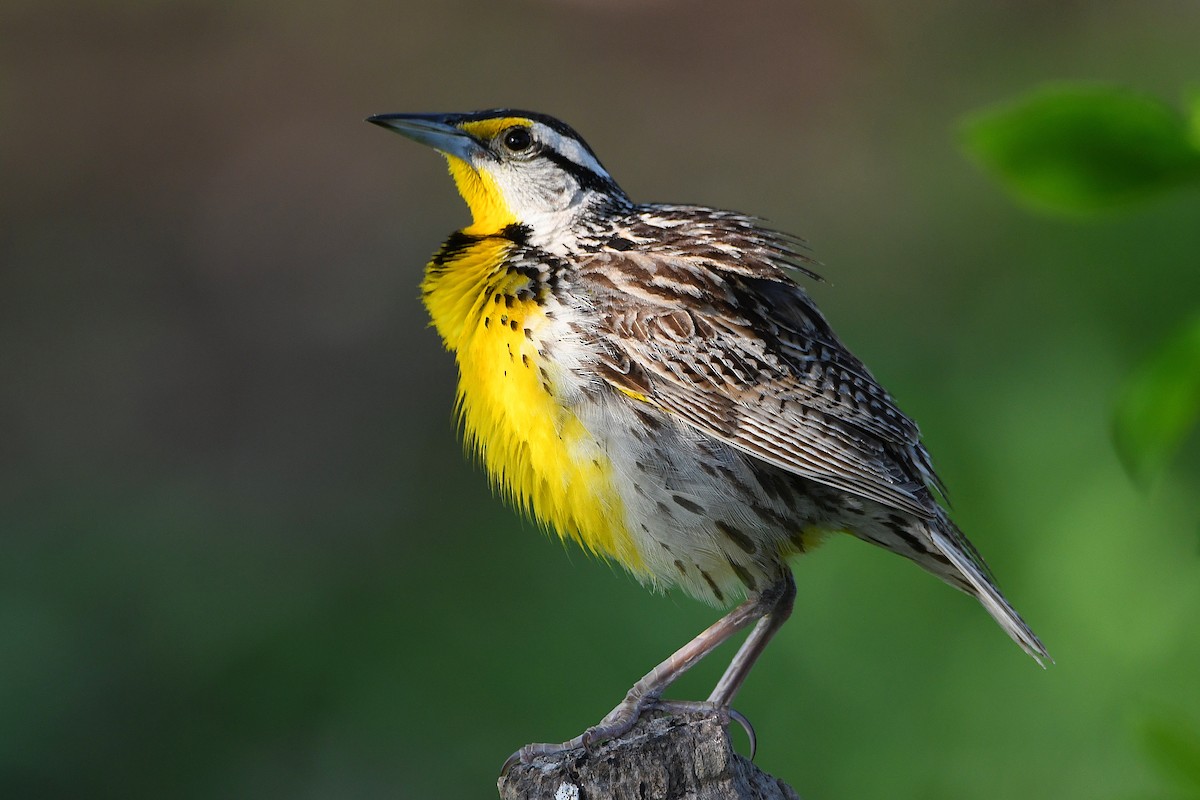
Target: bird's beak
column 435, row 130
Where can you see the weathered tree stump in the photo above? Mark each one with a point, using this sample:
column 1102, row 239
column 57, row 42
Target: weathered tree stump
column 664, row 757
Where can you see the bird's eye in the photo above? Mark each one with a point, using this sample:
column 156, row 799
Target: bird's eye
column 518, row 139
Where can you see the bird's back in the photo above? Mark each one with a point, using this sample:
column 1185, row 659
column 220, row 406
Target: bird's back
column 651, row 381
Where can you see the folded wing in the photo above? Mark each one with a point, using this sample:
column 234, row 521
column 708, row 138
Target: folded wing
column 745, row 357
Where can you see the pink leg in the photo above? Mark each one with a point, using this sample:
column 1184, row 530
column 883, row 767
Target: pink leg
column 769, row 609
column 735, row 674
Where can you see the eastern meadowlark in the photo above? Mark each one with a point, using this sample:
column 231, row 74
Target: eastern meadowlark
column 650, row 381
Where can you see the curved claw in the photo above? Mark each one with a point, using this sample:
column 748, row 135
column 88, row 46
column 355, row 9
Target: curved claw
column 740, row 718
column 510, row 762
column 704, row 707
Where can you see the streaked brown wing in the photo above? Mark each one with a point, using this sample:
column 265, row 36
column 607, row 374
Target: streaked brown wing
column 750, row 361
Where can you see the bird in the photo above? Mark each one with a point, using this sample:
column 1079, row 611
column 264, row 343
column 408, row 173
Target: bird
column 654, row 382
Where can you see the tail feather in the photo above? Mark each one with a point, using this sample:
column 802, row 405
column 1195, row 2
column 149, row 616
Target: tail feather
column 975, row 573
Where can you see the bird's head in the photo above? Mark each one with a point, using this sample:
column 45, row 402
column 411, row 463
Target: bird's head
column 513, row 167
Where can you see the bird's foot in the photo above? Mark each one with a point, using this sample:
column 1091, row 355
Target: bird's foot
column 616, row 723
column 621, row 720
column 725, row 713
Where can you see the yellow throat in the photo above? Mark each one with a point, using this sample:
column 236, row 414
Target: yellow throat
column 489, row 213
column 509, row 393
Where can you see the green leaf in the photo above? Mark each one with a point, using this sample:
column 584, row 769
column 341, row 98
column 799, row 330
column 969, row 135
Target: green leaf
column 1176, row 749
column 1160, row 404
column 1082, row 148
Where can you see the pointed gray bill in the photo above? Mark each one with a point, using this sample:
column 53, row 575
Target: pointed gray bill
column 433, row 130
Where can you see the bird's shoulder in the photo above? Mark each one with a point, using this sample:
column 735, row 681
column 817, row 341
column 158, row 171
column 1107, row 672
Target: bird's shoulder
column 697, row 312
column 727, row 241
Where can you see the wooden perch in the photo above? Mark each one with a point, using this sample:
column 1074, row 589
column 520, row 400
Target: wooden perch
column 671, row 757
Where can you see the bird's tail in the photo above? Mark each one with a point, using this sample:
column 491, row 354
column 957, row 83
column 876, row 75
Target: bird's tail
column 974, row 578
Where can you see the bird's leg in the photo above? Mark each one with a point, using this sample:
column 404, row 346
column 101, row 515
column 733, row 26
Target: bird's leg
column 784, row 592
column 771, row 608
column 646, row 692
column 735, row 674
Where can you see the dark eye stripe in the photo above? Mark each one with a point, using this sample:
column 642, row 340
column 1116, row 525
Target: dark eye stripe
column 584, row 176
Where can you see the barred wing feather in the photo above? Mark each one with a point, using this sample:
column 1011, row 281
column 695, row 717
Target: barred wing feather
column 751, row 362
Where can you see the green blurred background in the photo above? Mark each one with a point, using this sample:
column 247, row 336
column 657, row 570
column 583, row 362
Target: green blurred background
column 242, row 554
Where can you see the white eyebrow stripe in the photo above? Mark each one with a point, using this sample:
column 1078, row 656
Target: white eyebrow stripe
column 569, row 148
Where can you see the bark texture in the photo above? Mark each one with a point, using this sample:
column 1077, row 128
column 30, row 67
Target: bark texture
column 672, row 757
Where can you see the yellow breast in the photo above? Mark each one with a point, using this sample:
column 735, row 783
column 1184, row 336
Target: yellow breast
column 509, row 399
